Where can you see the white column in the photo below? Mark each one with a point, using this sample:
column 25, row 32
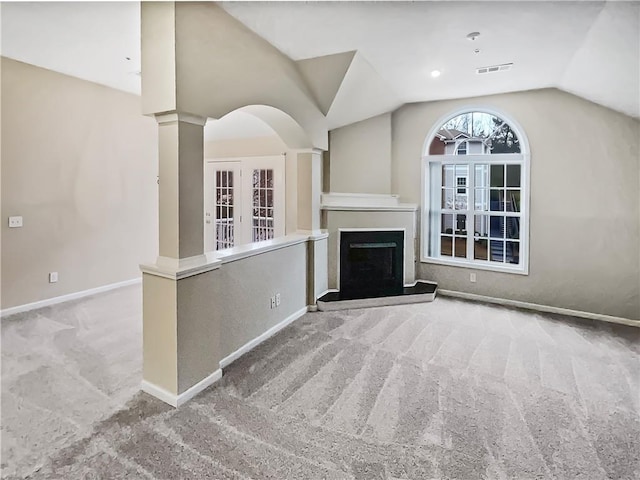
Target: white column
column 309, row 189
column 181, row 187
column 309, row 195
column 180, row 331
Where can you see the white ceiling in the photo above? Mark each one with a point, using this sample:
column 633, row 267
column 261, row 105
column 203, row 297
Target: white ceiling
column 88, row 40
column 591, row 48
column 588, row 48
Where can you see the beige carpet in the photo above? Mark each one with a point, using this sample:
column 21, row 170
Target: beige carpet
column 444, row 390
column 64, row 368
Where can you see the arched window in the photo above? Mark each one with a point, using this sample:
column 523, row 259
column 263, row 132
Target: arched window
column 476, row 192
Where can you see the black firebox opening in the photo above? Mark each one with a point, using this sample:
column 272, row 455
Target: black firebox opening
column 371, row 264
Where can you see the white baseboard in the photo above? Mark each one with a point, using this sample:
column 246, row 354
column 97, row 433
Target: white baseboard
column 65, row 298
column 540, row 308
column 178, row 400
column 160, row 393
column 258, row 340
column 184, row 397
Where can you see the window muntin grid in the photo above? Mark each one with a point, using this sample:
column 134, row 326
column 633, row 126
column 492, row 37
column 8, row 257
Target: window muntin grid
column 475, row 133
column 492, row 206
column 262, row 227
column 224, row 205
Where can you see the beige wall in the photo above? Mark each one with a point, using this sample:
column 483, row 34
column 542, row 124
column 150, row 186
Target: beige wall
column 158, row 38
column 244, row 147
column 361, row 156
column 221, row 66
column 2, row 213
column 202, row 328
column 160, row 336
column 181, row 189
column 244, row 288
column 585, row 202
column 79, row 163
column 177, row 355
column 219, row 312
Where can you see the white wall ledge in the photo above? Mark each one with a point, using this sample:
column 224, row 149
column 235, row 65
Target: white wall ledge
column 178, row 269
column 358, row 199
column 257, row 248
column 401, row 207
column 365, row 202
column 314, row 235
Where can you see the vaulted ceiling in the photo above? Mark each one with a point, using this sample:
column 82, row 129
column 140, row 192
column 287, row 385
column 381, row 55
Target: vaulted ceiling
column 588, row 48
column 366, row 58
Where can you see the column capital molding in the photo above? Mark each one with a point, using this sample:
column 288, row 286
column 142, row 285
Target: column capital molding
column 173, row 117
column 314, row 235
column 313, row 150
column 179, row 268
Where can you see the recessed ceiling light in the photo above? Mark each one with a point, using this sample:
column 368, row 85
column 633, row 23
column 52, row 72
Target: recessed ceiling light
column 435, row 73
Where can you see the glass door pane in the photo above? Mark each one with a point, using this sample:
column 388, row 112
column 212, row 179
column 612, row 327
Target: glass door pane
column 262, row 227
column 223, row 192
column 224, row 211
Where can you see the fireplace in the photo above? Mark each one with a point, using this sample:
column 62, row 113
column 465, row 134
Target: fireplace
column 371, row 263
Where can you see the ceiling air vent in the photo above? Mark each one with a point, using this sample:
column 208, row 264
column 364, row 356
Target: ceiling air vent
column 494, row 68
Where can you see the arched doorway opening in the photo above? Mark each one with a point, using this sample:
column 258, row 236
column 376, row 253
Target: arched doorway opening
column 250, row 176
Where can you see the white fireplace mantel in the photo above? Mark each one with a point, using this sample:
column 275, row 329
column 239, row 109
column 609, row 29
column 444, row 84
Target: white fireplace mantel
column 365, row 202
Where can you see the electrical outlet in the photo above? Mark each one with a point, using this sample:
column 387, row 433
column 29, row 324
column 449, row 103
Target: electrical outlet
column 53, row 277
column 273, row 302
column 15, row 222
column 472, row 277
column 277, row 299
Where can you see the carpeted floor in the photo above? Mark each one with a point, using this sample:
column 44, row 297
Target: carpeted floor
column 65, row 368
column 447, row 390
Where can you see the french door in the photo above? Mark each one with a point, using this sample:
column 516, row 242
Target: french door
column 222, row 204
column 244, row 201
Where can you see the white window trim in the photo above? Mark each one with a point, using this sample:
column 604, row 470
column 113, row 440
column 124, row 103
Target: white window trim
column 524, row 157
